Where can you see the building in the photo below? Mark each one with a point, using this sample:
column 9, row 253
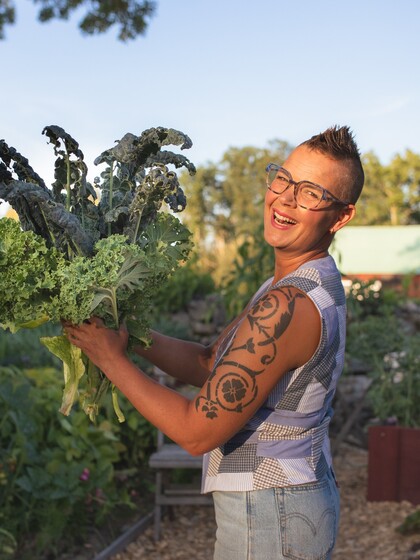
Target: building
column 390, row 254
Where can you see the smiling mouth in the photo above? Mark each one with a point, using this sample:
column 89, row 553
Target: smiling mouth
column 283, row 220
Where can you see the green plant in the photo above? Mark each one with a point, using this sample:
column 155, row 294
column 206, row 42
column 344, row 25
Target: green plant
column 8, row 544
column 364, row 298
column 410, row 525
column 188, row 282
column 373, row 328
column 22, row 349
column 59, row 475
column 253, row 265
column 370, row 338
column 81, row 255
column 376, row 338
column 396, row 385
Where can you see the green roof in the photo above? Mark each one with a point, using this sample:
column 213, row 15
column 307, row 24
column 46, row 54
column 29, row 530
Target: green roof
column 377, row 249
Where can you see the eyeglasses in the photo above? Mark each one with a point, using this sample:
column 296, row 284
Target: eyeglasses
column 307, row 195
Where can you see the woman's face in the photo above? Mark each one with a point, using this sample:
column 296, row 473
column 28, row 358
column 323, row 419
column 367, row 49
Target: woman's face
column 296, row 230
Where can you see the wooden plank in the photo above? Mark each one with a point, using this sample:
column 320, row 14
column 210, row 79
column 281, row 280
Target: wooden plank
column 201, row 500
column 384, row 443
column 172, row 456
column 183, row 489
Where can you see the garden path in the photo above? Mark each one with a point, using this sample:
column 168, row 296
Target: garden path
column 367, row 530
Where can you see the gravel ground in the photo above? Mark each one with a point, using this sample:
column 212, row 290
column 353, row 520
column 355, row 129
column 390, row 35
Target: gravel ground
column 367, row 530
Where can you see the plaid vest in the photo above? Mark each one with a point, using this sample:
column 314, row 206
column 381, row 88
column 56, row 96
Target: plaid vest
column 286, row 442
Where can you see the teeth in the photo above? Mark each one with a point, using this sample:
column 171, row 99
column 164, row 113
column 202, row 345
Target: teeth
column 283, row 219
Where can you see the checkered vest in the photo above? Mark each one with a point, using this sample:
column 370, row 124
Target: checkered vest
column 286, row 442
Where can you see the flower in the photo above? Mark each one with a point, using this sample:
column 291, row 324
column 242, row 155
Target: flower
column 85, row 475
column 398, row 377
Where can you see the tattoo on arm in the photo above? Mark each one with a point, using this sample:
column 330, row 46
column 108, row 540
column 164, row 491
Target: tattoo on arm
column 238, row 388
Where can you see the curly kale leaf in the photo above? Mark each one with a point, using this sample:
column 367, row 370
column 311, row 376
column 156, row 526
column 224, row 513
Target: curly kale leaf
column 114, row 288
column 159, row 185
column 127, row 181
column 72, row 229
column 27, row 276
column 165, row 157
column 14, row 162
column 65, row 147
column 137, row 149
column 70, row 171
column 167, row 238
column 166, row 243
column 100, row 284
column 39, row 213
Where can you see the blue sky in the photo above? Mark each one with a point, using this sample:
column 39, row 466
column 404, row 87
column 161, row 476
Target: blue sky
column 226, row 72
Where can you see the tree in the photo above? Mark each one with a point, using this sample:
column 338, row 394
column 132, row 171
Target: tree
column 225, row 198
column 391, row 195
column 225, row 203
column 130, row 16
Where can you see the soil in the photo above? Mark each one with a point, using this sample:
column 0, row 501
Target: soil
column 367, row 529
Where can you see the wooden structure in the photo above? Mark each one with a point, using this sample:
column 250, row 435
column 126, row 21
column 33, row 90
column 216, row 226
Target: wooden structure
column 168, row 457
column 390, row 254
column 394, row 464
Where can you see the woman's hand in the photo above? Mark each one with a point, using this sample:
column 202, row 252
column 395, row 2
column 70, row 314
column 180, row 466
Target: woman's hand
column 100, row 344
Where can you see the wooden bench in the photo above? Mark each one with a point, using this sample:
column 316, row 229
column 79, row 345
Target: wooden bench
column 166, row 458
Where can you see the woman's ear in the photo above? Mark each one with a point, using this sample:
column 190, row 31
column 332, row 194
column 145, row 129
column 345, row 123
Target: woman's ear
column 345, row 216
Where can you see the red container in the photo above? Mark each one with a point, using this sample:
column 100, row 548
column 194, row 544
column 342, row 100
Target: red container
column 394, row 464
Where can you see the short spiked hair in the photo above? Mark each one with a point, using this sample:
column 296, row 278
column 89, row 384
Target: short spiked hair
column 338, row 143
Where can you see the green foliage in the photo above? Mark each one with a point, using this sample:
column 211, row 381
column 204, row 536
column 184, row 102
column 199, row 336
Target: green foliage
column 396, row 385
column 411, row 524
column 391, row 195
column 376, row 338
column 227, row 196
column 367, row 298
column 131, row 17
column 253, row 265
column 77, row 258
column 7, row 17
column 28, row 270
column 187, row 283
column 371, row 337
column 60, row 476
column 373, row 328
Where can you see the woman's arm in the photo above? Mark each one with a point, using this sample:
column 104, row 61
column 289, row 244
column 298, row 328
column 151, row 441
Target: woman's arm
column 190, row 362
column 279, row 333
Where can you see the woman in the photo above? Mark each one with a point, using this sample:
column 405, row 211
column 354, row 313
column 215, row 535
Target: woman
column 261, row 416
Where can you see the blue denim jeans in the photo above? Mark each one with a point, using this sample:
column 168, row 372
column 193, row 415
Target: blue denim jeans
column 295, row 522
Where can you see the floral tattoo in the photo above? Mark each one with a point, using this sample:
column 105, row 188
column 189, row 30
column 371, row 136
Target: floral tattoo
column 238, row 388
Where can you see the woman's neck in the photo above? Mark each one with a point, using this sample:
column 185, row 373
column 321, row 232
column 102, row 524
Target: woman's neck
column 285, row 264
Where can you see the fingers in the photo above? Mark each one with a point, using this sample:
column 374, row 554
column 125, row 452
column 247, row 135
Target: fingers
column 123, row 328
column 72, row 336
column 95, row 321
column 74, row 339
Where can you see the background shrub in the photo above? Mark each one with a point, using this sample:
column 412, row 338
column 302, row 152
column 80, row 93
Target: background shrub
column 61, row 475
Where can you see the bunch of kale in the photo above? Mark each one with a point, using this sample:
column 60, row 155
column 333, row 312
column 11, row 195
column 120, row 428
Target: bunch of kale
column 83, row 249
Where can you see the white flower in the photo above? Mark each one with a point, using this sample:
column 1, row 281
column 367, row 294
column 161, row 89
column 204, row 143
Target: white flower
column 398, row 377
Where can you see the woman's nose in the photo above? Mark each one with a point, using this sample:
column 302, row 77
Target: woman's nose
column 287, row 197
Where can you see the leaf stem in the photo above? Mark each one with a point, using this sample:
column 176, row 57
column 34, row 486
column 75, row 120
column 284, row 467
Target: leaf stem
column 136, row 231
column 111, row 194
column 68, row 199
